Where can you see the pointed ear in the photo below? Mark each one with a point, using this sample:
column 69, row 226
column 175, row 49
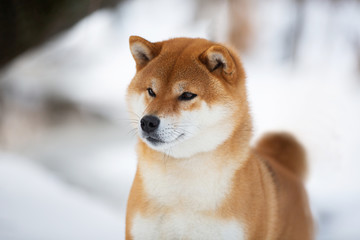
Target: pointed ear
column 218, row 60
column 143, row 51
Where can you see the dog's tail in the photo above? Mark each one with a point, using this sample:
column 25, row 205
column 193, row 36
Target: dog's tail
column 286, row 150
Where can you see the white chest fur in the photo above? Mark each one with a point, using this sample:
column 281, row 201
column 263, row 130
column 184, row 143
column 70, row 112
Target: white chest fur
column 198, row 184
column 185, row 225
column 186, row 189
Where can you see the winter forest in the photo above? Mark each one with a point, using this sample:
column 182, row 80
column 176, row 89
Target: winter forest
column 67, row 153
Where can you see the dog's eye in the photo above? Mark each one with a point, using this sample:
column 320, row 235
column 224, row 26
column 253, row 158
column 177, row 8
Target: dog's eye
column 151, row 92
column 187, row 96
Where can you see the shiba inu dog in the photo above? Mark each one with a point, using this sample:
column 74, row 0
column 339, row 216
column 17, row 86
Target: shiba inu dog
column 197, row 176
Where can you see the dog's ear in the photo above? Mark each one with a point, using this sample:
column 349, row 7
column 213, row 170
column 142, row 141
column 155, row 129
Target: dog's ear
column 143, row 51
column 220, row 62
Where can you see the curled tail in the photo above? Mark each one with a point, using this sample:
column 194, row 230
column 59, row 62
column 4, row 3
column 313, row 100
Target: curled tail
column 286, row 150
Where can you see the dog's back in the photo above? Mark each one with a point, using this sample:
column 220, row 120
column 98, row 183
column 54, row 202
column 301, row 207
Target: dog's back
column 286, row 150
column 285, row 159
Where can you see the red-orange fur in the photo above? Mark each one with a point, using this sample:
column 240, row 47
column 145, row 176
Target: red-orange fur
column 286, row 150
column 267, row 192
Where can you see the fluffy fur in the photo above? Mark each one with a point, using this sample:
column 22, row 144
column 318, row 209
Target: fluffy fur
column 197, row 176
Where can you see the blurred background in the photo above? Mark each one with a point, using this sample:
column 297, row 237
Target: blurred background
column 67, row 155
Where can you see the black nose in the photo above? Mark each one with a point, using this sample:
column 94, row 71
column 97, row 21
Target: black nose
column 149, row 123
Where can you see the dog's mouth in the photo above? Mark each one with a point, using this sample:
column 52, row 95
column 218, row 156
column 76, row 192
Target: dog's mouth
column 155, row 140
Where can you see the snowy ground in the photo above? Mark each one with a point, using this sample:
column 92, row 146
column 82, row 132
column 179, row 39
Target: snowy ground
column 72, row 182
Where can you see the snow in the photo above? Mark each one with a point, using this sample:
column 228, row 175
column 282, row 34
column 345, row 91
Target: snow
column 73, row 181
column 34, row 204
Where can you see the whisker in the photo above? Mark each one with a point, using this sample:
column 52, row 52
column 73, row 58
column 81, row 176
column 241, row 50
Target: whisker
column 185, row 124
column 166, row 157
column 133, row 132
column 134, row 113
column 181, row 130
column 145, row 110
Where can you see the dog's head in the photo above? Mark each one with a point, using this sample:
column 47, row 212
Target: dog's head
column 188, row 95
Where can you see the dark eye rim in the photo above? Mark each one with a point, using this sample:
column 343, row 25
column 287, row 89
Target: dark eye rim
column 151, row 92
column 187, row 96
